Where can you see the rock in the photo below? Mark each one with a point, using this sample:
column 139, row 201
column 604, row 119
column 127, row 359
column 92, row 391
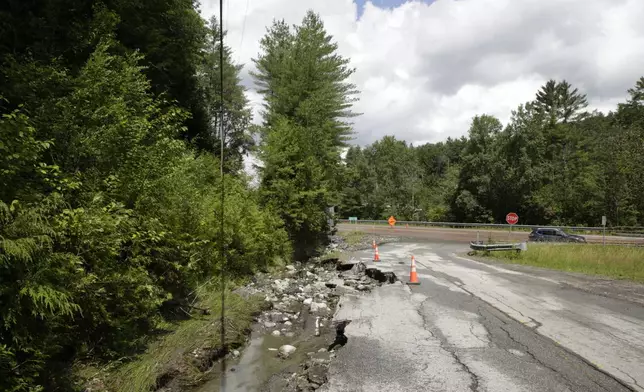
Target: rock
column 303, row 384
column 316, row 373
column 318, row 307
column 319, row 286
column 308, row 289
column 350, row 283
column 236, row 353
column 286, row 350
column 333, row 283
column 290, row 267
column 269, row 324
column 275, row 316
column 309, row 274
column 289, row 334
column 272, row 349
column 288, row 323
column 322, row 350
column 280, row 285
column 362, row 287
column 276, row 333
column 308, row 301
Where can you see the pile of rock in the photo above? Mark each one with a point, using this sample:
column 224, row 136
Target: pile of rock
column 338, row 242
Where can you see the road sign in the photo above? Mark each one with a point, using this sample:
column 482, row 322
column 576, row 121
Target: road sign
column 512, row 218
column 353, row 219
column 604, row 220
column 392, row 221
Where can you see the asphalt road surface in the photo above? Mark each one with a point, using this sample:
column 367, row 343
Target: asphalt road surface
column 467, row 235
column 472, row 326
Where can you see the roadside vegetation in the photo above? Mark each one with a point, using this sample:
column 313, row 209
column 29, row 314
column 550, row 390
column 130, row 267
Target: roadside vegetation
column 613, row 261
column 110, row 188
column 185, row 350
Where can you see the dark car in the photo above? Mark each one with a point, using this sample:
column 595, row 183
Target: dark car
column 554, row 235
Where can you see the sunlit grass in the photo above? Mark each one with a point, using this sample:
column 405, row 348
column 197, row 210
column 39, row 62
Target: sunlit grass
column 613, row 261
column 140, row 374
column 353, row 238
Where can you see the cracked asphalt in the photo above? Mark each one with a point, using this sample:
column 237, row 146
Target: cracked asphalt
column 472, row 326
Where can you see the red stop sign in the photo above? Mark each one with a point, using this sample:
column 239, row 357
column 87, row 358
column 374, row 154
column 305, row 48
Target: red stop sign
column 512, row 218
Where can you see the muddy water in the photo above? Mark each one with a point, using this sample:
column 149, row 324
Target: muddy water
column 257, row 366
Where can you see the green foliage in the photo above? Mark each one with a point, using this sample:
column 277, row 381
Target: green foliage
column 308, row 101
column 108, row 220
column 552, row 163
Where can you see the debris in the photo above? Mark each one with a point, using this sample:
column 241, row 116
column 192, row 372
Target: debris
column 286, row 350
column 318, row 306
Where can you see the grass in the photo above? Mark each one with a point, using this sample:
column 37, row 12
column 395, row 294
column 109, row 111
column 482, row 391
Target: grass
column 618, row 262
column 172, row 351
column 353, row 238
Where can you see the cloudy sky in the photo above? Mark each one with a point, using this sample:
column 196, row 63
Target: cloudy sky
column 425, row 68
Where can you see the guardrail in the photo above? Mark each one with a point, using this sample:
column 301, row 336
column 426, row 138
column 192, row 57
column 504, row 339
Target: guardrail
column 497, row 225
column 498, row 247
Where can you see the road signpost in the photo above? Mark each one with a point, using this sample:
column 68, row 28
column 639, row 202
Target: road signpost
column 512, row 218
column 392, row 221
column 604, row 230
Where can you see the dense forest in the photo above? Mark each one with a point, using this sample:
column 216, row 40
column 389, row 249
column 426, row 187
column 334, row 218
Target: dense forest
column 109, row 171
column 553, row 163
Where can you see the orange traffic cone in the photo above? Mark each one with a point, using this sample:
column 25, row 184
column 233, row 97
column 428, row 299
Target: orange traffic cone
column 374, row 244
column 413, row 276
column 376, row 256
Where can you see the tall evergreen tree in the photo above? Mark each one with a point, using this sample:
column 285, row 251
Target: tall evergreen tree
column 236, row 114
column 306, row 125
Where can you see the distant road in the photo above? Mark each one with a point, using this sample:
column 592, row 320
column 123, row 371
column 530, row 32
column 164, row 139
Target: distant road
column 467, row 235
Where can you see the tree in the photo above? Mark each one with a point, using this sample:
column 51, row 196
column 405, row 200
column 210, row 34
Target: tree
column 560, row 102
column 236, row 114
column 308, row 101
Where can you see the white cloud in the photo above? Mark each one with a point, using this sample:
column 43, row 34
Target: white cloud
column 426, row 69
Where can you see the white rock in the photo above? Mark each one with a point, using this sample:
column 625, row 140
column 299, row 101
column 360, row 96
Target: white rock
column 309, row 274
column 272, row 349
column 289, row 334
column 276, row 333
column 269, row 324
column 285, row 319
column 318, row 306
column 322, row 350
column 288, row 323
column 286, row 350
column 308, row 301
column 290, row 267
column 235, row 353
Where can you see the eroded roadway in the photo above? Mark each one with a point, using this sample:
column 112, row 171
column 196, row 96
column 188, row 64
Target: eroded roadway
column 471, row 326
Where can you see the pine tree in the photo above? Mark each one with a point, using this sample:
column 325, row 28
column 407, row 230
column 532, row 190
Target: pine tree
column 308, row 102
column 236, row 114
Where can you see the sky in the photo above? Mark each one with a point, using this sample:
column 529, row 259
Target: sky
column 425, row 68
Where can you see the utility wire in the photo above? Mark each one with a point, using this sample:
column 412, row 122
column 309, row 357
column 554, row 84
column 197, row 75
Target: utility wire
column 222, row 238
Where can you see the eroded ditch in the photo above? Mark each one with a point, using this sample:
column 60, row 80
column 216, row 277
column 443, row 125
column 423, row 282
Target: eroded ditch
column 303, row 301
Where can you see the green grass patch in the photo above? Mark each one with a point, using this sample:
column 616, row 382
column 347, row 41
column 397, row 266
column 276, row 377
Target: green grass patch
column 172, row 352
column 618, row 262
column 353, row 238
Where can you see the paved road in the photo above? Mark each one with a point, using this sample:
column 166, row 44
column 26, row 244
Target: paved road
column 467, row 235
column 471, row 326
